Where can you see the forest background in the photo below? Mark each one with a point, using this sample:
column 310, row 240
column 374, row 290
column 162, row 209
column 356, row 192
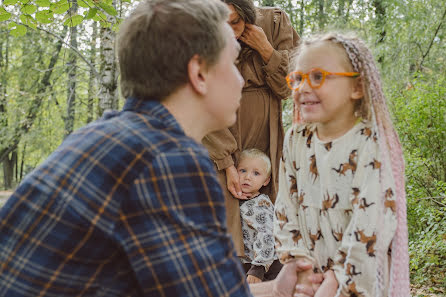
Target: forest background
column 58, row 72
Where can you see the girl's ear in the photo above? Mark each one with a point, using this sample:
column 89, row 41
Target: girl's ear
column 267, row 181
column 358, row 91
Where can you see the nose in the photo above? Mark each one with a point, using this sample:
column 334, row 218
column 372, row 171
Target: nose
column 305, row 87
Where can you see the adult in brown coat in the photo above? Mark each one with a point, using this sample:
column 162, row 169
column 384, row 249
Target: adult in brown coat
column 267, row 39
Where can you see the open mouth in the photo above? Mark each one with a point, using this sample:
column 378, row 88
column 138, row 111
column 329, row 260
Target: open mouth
column 310, row 103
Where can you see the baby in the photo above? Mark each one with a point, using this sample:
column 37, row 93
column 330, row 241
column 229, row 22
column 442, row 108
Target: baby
column 260, row 261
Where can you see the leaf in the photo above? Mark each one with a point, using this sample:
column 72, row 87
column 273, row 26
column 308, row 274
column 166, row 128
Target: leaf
column 10, row 2
column 11, row 25
column 60, row 7
column 100, row 16
column 44, row 16
column 43, row 3
column 20, row 30
column 85, row 3
column 4, row 15
column 108, row 8
column 73, row 21
column 28, row 8
column 28, row 20
column 105, row 24
column 90, row 14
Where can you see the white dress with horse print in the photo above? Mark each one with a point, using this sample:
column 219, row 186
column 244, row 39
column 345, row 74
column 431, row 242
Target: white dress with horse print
column 328, row 205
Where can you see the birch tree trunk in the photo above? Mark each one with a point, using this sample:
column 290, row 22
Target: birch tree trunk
column 92, row 76
column 108, row 94
column 72, row 77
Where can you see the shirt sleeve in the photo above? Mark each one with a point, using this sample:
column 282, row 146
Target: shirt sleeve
column 221, row 145
column 172, row 229
column 288, row 236
column 372, row 226
column 285, row 39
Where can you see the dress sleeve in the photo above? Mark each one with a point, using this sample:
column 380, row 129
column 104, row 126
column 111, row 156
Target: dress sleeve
column 372, row 226
column 221, row 146
column 288, row 236
column 285, row 39
column 172, row 229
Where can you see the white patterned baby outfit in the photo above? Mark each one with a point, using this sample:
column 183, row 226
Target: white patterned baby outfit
column 328, row 204
column 257, row 227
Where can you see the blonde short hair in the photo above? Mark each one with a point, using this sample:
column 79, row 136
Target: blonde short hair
column 258, row 154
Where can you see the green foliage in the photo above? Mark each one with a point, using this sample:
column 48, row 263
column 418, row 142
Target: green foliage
column 33, row 13
column 420, row 116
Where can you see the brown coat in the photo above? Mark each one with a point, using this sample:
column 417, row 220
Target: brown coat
column 259, row 118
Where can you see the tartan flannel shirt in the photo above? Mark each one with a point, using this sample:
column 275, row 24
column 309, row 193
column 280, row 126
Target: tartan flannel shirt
column 126, row 206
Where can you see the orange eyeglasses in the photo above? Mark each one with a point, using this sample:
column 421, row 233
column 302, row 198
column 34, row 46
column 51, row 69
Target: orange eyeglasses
column 315, row 78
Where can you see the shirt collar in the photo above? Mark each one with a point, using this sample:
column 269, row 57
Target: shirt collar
column 153, row 109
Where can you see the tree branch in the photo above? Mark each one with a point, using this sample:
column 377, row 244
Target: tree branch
column 96, row 74
column 432, row 41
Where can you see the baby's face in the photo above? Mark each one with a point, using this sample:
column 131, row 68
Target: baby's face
column 253, row 175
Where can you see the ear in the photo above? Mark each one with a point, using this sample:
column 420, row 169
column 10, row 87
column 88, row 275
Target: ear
column 196, row 70
column 357, row 92
column 267, row 181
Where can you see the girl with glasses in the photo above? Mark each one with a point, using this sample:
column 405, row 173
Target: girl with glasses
column 341, row 202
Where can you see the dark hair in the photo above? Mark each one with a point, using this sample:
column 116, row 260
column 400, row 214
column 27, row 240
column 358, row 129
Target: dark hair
column 158, row 39
column 245, row 9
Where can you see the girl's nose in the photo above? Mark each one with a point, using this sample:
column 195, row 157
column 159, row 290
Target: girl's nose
column 305, row 87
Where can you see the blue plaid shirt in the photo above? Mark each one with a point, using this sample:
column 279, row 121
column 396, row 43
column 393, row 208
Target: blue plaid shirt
column 126, row 206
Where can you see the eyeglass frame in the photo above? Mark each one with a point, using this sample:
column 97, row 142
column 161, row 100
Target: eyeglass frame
column 305, row 76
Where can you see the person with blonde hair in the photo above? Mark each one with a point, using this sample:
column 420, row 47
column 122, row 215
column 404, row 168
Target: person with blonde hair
column 260, row 260
column 341, row 202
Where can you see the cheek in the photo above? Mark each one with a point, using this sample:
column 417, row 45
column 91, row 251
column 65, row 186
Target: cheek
column 295, row 96
column 238, row 29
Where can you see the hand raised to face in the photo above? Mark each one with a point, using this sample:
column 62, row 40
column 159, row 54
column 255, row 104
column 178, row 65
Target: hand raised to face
column 254, row 37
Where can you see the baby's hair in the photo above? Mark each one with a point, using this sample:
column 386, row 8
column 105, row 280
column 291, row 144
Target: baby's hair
column 256, row 153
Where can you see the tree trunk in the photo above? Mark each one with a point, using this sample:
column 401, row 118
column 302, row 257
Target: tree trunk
column 341, row 7
column 8, row 169
column 108, row 94
column 92, row 78
column 302, row 18
column 72, row 77
column 321, row 16
column 380, row 12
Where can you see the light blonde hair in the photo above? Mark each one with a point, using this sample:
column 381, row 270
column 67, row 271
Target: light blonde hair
column 156, row 42
column 257, row 154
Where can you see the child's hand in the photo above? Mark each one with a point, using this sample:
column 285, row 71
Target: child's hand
column 329, row 286
column 307, row 283
column 251, row 279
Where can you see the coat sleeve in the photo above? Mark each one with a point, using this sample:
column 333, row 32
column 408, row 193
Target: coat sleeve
column 221, row 146
column 288, row 237
column 284, row 40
